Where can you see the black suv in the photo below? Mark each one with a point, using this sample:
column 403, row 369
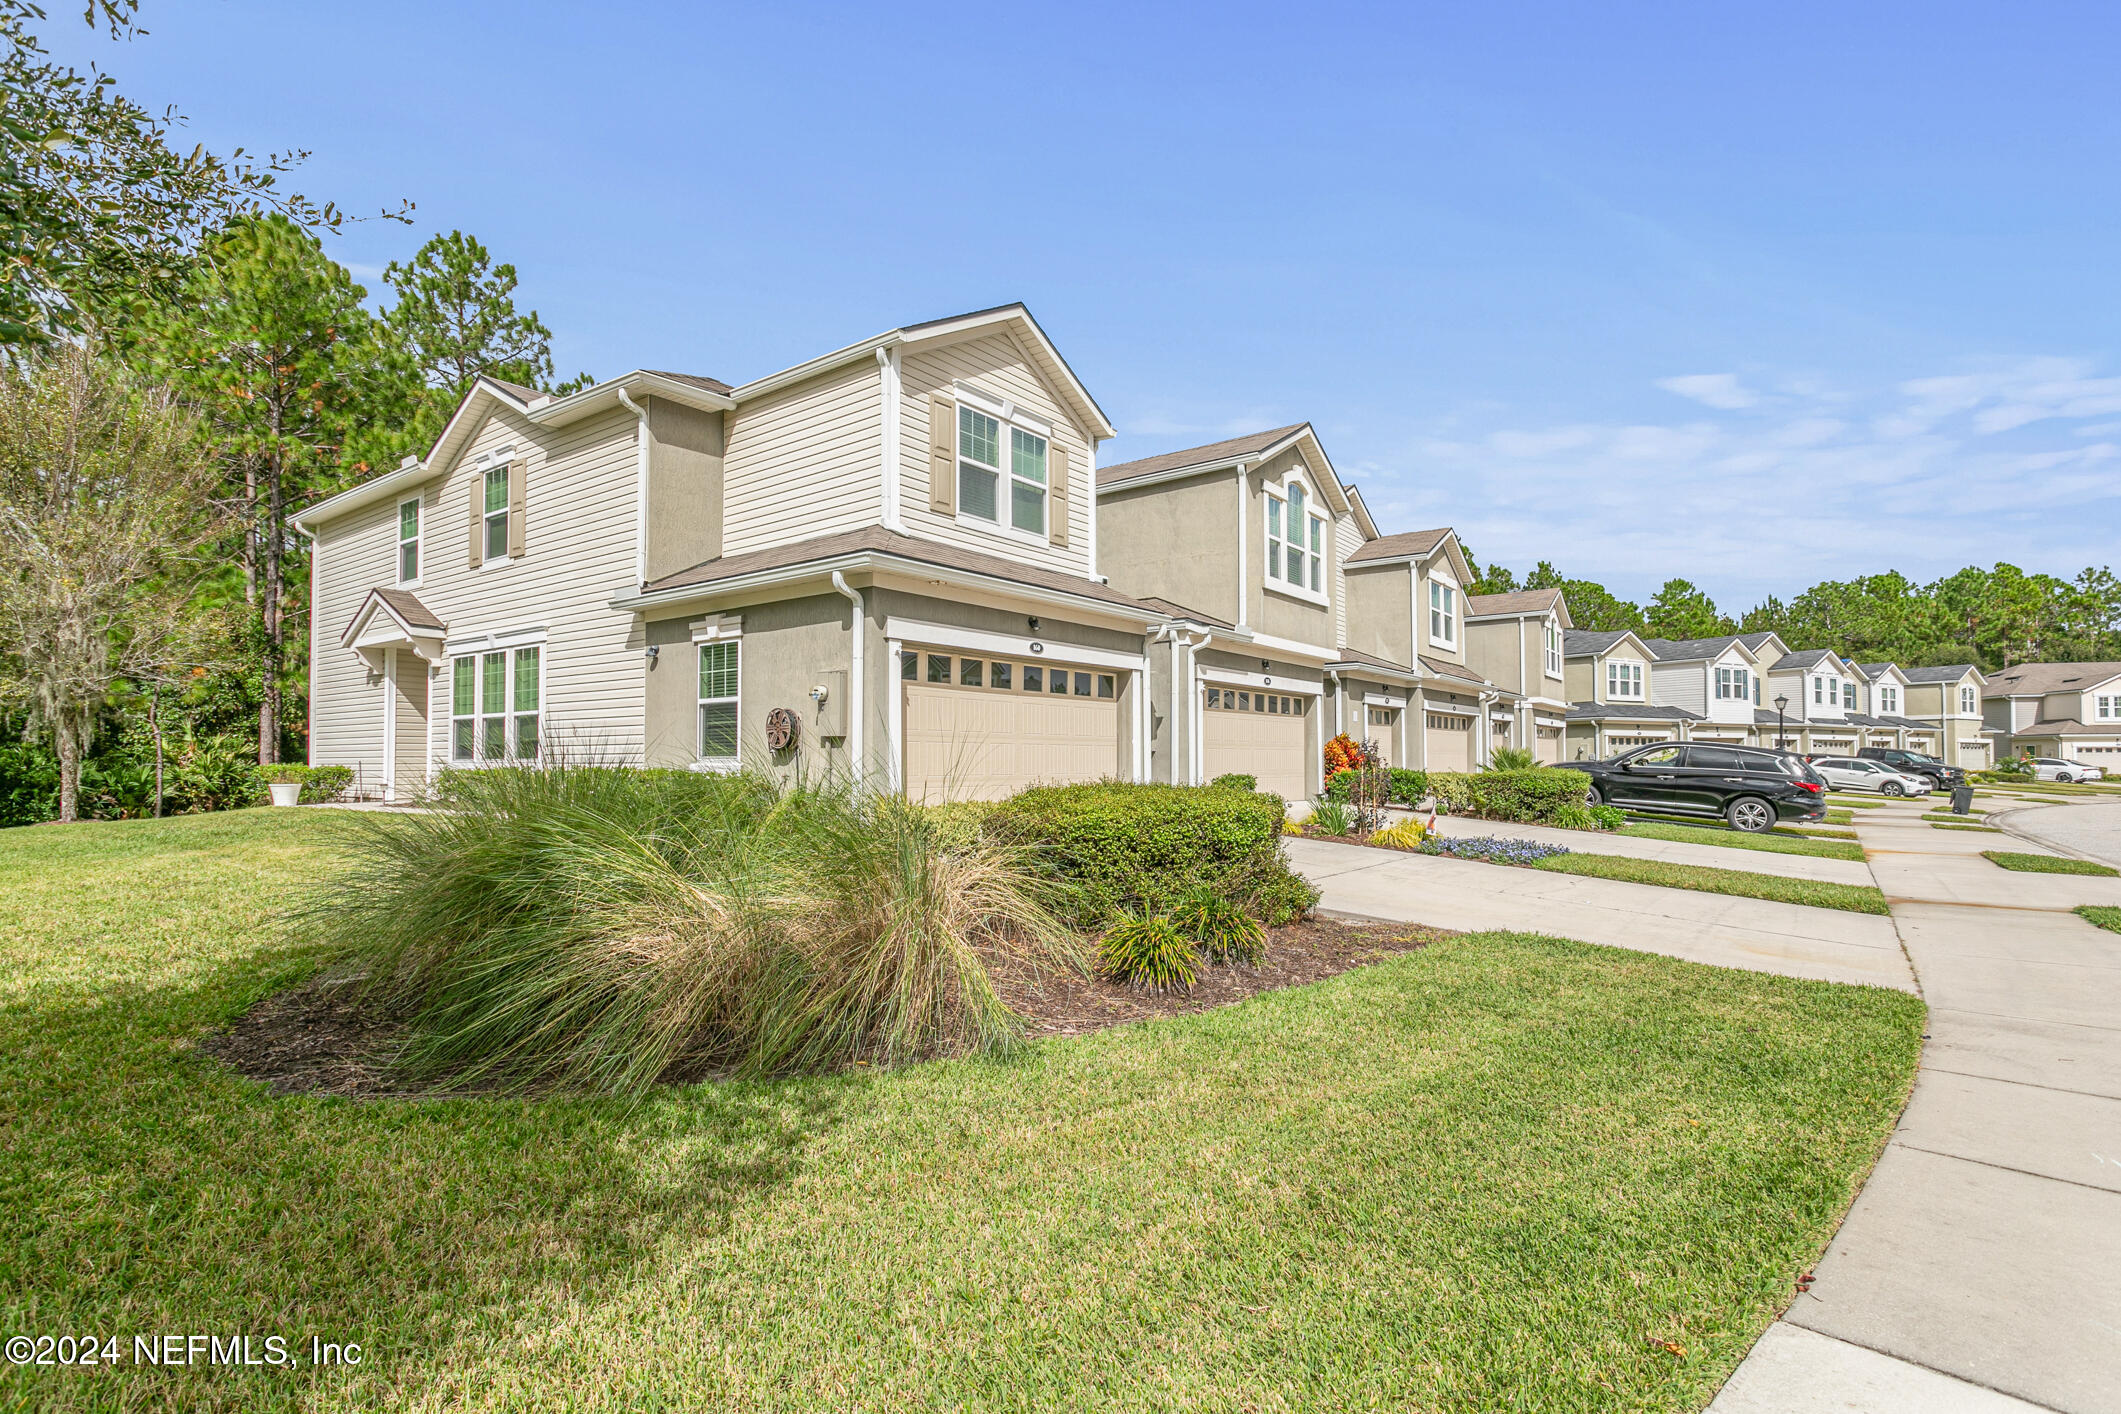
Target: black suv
column 1916, row 764
column 1751, row 787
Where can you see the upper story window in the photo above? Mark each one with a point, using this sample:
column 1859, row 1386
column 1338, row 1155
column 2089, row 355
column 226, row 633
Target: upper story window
column 1443, row 613
column 1889, row 699
column 1296, row 541
column 992, row 468
column 2109, row 709
column 1967, row 702
column 1623, row 680
column 409, row 541
column 1848, row 696
column 1818, row 690
column 496, row 512
column 1733, row 685
column 1553, row 650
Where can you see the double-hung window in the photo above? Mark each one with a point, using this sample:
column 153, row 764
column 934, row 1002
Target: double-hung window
column 719, row 665
column 1848, row 696
column 495, row 705
column 1443, row 613
column 1623, row 680
column 1296, row 541
column 1553, row 650
column 1966, row 700
column 2109, row 709
column 1818, row 690
column 1732, row 685
column 1889, row 701
column 409, row 541
column 993, row 467
column 496, row 513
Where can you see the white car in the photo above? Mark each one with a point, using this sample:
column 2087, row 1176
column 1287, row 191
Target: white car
column 2054, row 768
column 1855, row 773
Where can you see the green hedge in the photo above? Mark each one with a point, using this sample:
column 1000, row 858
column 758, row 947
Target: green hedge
column 1235, row 780
column 319, row 783
column 1128, row 846
column 1408, row 787
column 1536, row 797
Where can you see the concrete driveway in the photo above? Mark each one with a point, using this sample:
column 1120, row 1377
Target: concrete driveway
column 1980, row 1268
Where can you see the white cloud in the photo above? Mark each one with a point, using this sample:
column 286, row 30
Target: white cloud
column 1716, row 390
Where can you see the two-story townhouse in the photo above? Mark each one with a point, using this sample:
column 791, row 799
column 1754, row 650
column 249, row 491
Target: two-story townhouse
column 1811, row 697
column 1241, row 544
column 1407, row 627
column 1947, row 700
column 1610, row 678
column 1882, row 691
column 2066, row 710
column 1718, row 679
column 881, row 562
column 1516, row 641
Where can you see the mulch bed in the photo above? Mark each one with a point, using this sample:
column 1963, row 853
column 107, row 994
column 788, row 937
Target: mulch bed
column 320, row 1039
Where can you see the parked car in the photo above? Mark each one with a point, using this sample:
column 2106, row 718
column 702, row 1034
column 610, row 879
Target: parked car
column 2054, row 768
column 1855, row 773
column 1751, row 787
column 1914, row 763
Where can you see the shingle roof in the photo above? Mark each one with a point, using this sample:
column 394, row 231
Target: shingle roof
column 712, row 385
column 876, row 539
column 408, row 607
column 1754, row 640
column 1871, row 670
column 1394, row 547
column 1212, row 453
column 2028, row 678
column 516, row 390
column 1524, row 601
column 2068, row 726
column 1436, row 667
column 1578, row 642
column 1180, row 611
column 1630, row 712
column 1950, row 673
column 1349, row 655
column 1687, row 650
column 1805, row 659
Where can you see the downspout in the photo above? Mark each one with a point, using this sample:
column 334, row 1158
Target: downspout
column 1340, row 703
column 640, row 488
column 854, row 678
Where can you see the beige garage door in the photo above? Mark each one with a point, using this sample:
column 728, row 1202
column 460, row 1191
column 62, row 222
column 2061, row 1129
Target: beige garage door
column 984, row 728
column 1548, row 744
column 1257, row 734
column 1450, row 742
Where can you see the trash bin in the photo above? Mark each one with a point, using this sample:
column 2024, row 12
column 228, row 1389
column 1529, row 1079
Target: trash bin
column 1962, row 799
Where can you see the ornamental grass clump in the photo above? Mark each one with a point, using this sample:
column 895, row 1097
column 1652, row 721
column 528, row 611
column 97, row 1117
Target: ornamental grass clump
column 1218, row 926
column 1148, row 951
column 598, row 927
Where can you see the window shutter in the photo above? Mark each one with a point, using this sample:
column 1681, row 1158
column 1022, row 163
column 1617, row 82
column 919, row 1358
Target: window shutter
column 516, row 470
column 1057, row 500
column 942, row 454
column 476, row 495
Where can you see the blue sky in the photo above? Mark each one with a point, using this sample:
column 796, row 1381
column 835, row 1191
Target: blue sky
column 1754, row 296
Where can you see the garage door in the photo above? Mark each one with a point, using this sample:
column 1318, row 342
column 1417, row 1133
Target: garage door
column 1548, row 744
column 1259, row 734
column 984, row 728
column 1450, row 742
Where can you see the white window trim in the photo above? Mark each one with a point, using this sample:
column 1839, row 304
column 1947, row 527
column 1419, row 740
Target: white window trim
column 1010, row 416
column 1274, row 549
column 1553, row 645
column 476, row 650
column 734, row 760
column 418, row 541
column 1640, row 680
column 1451, row 619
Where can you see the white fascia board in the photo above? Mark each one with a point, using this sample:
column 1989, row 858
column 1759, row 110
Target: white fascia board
column 1238, row 677
column 919, row 633
column 1293, row 646
column 353, row 498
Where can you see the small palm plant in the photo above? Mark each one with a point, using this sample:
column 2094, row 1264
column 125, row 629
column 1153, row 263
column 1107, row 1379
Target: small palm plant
column 1331, row 817
column 1222, row 930
column 1512, row 758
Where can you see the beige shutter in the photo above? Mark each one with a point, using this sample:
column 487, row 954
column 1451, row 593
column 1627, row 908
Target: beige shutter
column 1057, row 499
column 942, row 454
column 516, row 470
column 478, row 496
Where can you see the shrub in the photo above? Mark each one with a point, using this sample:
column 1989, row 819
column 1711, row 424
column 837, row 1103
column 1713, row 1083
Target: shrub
column 1494, row 849
column 1344, row 753
column 1147, row 950
column 1608, row 817
column 1530, row 797
column 322, row 783
column 1407, row 834
column 1235, row 781
column 1512, row 758
column 1218, row 926
column 1407, row 787
column 597, row 926
column 1331, row 817
column 1280, row 896
column 1365, row 783
column 1573, row 817
column 1117, row 845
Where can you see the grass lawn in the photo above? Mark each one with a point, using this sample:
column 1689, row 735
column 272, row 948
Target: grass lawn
column 1814, row 832
column 1840, row 817
column 1972, row 817
column 2104, row 915
column 1487, row 1174
column 1977, row 829
column 1854, row 802
column 1853, row 898
column 1768, row 843
column 2045, row 863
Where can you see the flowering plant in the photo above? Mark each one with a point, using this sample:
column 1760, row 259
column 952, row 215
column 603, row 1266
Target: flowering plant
column 1493, row 849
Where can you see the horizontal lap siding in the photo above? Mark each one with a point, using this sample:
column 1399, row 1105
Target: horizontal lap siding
column 1347, row 539
column 353, row 555
column 995, row 364
column 805, row 461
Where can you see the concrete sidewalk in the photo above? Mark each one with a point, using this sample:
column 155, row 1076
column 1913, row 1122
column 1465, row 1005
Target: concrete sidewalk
column 1791, row 939
column 1754, row 861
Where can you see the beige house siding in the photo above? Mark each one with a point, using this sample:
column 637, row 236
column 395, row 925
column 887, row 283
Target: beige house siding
column 1270, row 611
column 1177, row 541
column 1582, row 680
column 354, row 554
column 685, row 487
column 1379, row 603
column 804, row 461
column 1420, row 608
column 995, row 364
column 786, row 649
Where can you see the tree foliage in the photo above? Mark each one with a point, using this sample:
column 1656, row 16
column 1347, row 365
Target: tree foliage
column 1683, row 610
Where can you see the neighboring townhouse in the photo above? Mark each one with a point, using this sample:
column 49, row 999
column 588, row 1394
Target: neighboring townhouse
column 1517, row 641
column 1816, row 695
column 1610, row 678
column 2067, row 710
column 1947, row 701
column 1716, row 679
column 1240, row 543
column 1882, row 690
column 883, row 560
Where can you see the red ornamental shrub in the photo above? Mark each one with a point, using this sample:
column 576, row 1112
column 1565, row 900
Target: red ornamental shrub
column 1344, row 753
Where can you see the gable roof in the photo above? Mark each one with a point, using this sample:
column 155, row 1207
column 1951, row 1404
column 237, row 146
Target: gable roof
column 1631, row 711
column 1688, row 650
column 1212, row 454
column 1437, row 667
column 2068, row 726
column 1950, row 672
column 1408, row 544
column 1584, row 642
column 402, row 607
column 1522, row 601
column 2029, row 679
column 1812, row 657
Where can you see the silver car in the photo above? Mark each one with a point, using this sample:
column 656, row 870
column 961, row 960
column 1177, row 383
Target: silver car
column 1856, row 773
column 2054, row 768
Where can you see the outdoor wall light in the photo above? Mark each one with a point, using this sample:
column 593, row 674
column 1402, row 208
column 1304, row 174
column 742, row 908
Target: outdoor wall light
column 652, row 652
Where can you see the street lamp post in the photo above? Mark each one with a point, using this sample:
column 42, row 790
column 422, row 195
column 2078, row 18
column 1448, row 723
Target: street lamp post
column 1781, row 701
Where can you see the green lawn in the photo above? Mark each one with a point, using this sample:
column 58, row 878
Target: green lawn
column 2045, row 863
column 2104, row 915
column 1769, row 842
column 1854, row 802
column 1488, row 1174
column 1840, row 817
column 1853, row 898
column 1976, row 829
